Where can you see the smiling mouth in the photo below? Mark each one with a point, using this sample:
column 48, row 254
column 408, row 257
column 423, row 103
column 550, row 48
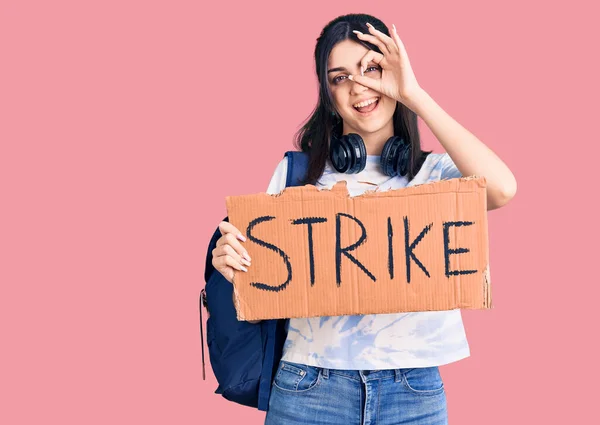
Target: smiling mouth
column 367, row 109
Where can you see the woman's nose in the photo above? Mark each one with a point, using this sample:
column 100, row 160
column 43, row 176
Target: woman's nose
column 356, row 88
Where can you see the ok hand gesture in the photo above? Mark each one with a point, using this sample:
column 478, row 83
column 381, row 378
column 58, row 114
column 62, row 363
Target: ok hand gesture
column 397, row 80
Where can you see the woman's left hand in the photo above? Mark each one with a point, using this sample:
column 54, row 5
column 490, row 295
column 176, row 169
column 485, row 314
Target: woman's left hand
column 398, row 80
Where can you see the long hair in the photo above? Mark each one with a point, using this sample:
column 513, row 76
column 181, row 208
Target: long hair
column 314, row 136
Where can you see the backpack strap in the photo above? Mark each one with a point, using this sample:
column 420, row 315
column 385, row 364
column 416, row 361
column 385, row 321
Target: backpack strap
column 297, row 168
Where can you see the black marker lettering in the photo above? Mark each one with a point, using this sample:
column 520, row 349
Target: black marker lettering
column 310, row 221
column 283, row 255
column 448, row 251
column 409, row 248
column 339, row 250
column 390, row 248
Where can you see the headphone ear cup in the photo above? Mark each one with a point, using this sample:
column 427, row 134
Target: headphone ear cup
column 339, row 154
column 403, row 159
column 349, row 153
column 395, row 157
column 359, row 153
column 389, row 156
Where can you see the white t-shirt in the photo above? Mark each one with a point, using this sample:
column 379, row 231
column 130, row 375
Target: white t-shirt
column 376, row 341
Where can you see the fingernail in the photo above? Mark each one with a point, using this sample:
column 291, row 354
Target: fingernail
column 351, row 77
column 244, row 268
column 357, row 32
column 246, row 262
column 241, row 237
column 394, row 27
column 362, row 72
column 246, row 256
column 369, row 25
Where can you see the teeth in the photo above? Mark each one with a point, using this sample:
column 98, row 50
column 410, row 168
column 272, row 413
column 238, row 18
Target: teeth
column 365, row 103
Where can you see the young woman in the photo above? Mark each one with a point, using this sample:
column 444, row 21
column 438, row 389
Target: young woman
column 375, row 369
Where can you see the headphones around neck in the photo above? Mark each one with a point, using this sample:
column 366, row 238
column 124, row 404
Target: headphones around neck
column 349, row 155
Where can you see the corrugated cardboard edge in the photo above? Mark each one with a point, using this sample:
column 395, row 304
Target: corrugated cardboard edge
column 343, row 185
column 487, row 288
column 236, row 302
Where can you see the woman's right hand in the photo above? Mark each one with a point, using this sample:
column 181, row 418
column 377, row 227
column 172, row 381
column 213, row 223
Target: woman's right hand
column 229, row 254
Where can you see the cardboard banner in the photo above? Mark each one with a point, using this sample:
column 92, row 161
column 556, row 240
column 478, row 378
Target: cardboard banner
column 324, row 253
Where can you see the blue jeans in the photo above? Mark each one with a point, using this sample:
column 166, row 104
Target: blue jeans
column 311, row 395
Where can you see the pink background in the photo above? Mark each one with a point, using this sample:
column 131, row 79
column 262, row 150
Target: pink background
column 124, row 124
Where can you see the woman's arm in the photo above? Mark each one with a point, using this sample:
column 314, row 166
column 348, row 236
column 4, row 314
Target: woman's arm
column 469, row 154
column 398, row 81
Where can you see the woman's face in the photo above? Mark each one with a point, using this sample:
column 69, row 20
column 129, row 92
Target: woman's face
column 344, row 60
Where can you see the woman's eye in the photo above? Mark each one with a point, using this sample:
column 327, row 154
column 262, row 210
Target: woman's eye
column 339, row 78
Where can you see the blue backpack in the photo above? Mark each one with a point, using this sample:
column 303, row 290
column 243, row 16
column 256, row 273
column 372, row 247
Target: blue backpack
column 244, row 356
